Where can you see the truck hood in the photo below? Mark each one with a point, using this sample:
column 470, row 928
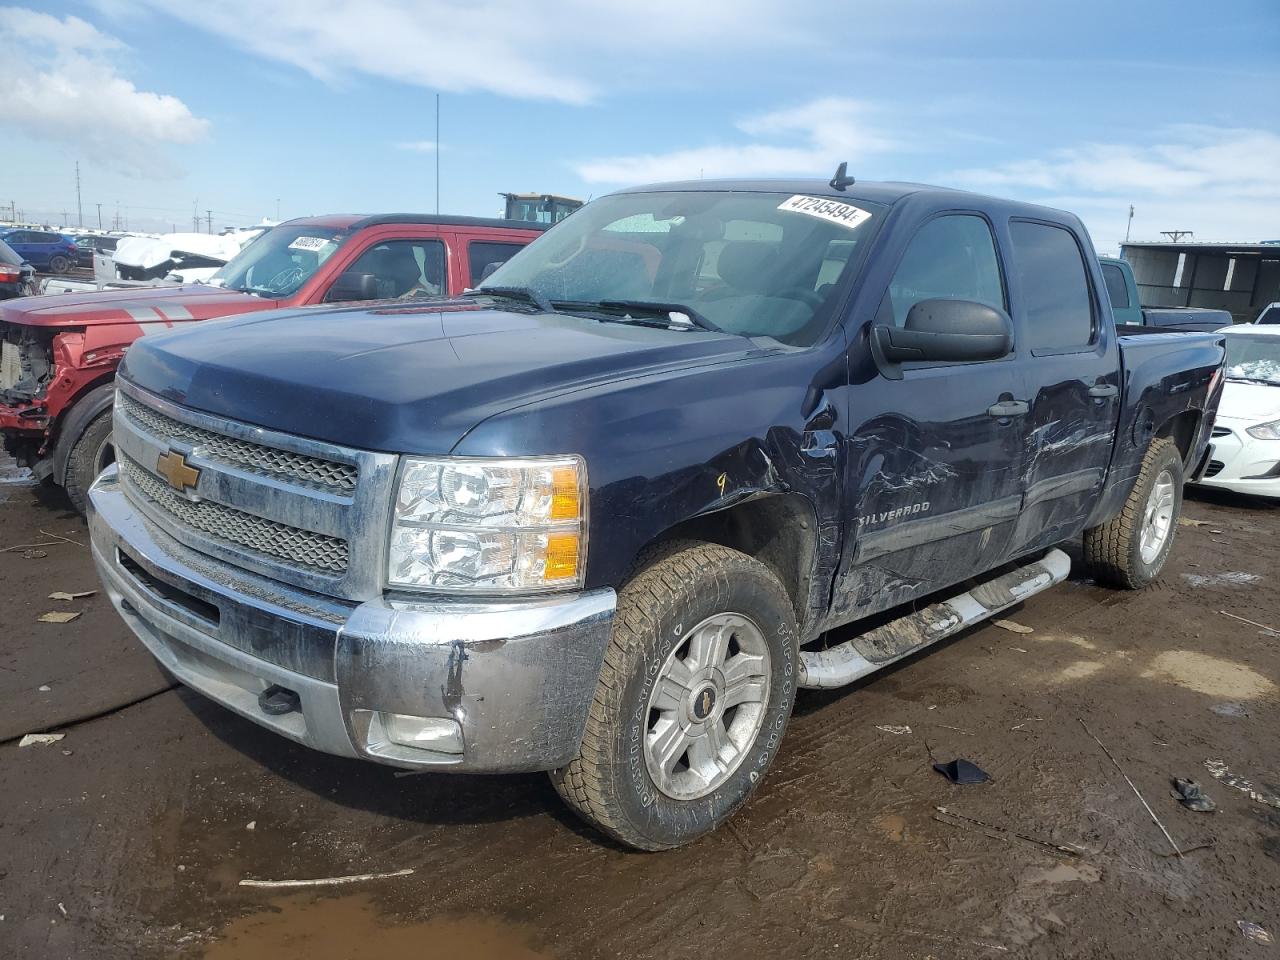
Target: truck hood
column 136, row 304
column 1249, row 402
column 401, row 379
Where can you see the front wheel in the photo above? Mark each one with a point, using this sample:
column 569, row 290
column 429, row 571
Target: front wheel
column 692, row 701
column 1130, row 549
column 59, row 264
column 92, row 453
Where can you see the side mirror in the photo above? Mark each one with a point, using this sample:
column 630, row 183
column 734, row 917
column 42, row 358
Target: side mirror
column 353, row 286
column 490, row 269
column 955, row 331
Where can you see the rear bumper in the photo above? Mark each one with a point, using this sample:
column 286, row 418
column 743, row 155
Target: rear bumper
column 512, row 679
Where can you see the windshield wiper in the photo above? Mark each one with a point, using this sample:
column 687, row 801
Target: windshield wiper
column 519, row 293
column 689, row 317
column 1262, row 380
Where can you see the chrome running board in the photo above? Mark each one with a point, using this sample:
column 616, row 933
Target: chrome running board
column 881, row 646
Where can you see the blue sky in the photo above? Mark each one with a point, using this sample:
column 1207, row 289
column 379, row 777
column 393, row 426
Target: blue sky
column 329, row 106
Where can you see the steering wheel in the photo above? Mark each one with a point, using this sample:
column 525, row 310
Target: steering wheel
column 811, row 297
column 285, row 280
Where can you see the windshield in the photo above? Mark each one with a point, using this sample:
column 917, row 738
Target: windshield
column 1255, row 358
column 757, row 264
column 279, row 262
column 8, row 256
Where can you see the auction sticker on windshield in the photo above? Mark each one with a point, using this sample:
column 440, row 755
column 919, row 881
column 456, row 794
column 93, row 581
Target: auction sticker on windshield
column 845, row 214
column 308, row 243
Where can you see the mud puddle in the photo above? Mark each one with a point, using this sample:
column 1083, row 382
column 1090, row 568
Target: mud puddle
column 340, row 928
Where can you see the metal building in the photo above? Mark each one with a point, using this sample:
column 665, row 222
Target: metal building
column 1240, row 277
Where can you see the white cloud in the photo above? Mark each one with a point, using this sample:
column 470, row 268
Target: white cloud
column 63, row 83
column 809, row 139
column 1221, row 183
column 559, row 50
column 417, row 146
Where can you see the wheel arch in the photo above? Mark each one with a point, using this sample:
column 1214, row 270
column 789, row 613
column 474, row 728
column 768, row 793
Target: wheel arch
column 93, row 400
column 1181, row 428
column 778, row 529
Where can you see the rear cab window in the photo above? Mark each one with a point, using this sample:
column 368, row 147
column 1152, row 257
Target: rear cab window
column 1117, row 289
column 1057, row 308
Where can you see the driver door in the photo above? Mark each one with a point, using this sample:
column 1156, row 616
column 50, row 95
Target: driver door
column 933, row 478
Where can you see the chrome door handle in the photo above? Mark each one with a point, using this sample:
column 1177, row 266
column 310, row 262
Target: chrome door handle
column 1009, row 408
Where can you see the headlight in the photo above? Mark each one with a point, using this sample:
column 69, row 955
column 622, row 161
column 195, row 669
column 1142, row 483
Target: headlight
column 1265, row 431
column 489, row 526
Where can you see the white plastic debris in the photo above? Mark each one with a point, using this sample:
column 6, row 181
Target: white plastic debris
column 1255, row 932
column 40, row 739
column 895, row 729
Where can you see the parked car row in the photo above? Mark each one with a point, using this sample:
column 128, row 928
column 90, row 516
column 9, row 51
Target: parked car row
column 56, row 393
column 43, row 249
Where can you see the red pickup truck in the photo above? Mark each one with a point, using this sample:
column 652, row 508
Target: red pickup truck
column 59, row 353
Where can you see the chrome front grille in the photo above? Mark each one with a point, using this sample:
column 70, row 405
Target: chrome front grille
column 304, row 512
column 246, row 455
column 288, row 544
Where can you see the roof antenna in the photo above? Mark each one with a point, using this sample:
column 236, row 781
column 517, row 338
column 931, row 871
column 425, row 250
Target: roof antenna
column 842, row 178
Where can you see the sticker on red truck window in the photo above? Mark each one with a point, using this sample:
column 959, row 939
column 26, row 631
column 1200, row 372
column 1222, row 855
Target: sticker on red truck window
column 309, row 243
column 824, row 208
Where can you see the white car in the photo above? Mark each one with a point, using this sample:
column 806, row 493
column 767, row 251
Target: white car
column 1244, row 453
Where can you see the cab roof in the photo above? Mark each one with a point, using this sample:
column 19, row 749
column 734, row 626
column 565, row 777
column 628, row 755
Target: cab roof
column 358, row 221
column 886, row 192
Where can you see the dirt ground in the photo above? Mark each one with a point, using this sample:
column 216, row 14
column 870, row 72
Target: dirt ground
column 129, row 837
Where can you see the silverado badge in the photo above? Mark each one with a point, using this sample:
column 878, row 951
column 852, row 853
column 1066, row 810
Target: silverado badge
column 173, row 467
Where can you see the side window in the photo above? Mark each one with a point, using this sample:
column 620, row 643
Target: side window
column 482, row 253
column 1117, row 290
column 400, row 269
column 952, row 257
column 1054, row 285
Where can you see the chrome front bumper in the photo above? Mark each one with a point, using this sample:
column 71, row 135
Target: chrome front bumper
column 512, row 679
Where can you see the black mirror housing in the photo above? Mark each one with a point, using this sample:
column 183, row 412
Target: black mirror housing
column 945, row 330
column 353, row 286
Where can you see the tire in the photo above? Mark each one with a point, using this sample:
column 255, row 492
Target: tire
column 59, row 264
column 1116, row 551
column 91, row 454
column 688, row 598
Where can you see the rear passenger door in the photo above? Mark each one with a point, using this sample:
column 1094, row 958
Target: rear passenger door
column 935, row 485
column 1071, row 379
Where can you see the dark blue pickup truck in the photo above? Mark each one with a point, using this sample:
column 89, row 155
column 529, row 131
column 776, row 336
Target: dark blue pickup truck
column 603, row 515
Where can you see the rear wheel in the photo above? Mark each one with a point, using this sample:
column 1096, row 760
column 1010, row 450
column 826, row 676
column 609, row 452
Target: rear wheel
column 1130, row 550
column 59, row 264
column 692, row 701
column 93, row 452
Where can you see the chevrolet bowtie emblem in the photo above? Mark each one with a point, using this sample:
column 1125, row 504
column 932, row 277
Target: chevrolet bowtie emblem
column 173, row 467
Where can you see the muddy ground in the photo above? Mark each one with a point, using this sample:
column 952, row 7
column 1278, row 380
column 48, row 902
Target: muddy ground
column 128, row 838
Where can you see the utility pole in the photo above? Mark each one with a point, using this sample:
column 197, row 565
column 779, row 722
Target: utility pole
column 195, row 215
column 99, row 216
column 437, row 154
column 79, row 206
column 1176, row 235
column 209, row 219
column 1130, row 225
column 64, row 219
